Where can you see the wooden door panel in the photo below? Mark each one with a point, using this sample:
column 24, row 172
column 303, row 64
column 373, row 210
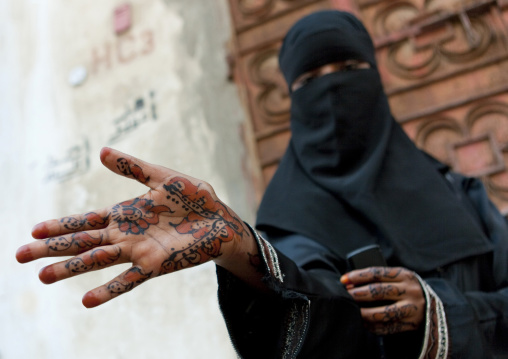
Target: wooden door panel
column 450, row 92
column 473, row 139
column 444, row 65
column 249, row 14
column 270, row 23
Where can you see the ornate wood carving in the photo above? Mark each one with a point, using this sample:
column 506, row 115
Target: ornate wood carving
column 444, row 65
column 472, row 139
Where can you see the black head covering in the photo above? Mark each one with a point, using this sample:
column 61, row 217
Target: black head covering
column 350, row 176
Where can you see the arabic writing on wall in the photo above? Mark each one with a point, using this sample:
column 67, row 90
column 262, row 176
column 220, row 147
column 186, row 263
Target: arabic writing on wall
column 76, row 160
column 142, row 110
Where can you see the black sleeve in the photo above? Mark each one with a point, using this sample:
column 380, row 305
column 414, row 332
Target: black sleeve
column 306, row 314
column 477, row 321
column 477, row 316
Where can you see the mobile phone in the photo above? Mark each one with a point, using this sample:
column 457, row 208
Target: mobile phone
column 368, row 256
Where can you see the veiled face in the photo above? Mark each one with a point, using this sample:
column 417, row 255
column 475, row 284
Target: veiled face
column 324, row 38
column 309, row 76
column 337, row 101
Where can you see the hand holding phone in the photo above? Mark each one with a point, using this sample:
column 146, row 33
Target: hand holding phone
column 364, row 257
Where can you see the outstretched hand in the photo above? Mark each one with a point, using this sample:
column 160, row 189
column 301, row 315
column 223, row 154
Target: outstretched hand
column 395, row 284
column 178, row 223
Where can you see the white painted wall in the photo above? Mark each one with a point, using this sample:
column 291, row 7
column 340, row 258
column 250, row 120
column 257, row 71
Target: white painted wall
column 173, row 59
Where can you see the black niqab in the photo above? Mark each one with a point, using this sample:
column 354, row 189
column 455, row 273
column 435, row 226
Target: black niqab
column 350, row 176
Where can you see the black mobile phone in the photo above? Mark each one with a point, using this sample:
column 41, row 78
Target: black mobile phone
column 368, row 256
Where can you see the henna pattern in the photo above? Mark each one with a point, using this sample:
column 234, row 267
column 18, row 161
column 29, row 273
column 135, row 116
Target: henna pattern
column 381, row 291
column 117, row 288
column 208, row 221
column 137, row 215
column 393, row 318
column 78, row 265
column 58, row 243
column 82, row 240
column 131, row 170
column 99, row 257
column 90, row 219
column 395, row 313
column 133, row 276
column 376, row 273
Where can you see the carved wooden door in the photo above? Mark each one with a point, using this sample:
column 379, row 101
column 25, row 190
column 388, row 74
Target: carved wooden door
column 444, row 65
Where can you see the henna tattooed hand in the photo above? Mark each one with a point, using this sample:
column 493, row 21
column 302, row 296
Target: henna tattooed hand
column 178, row 224
column 395, row 284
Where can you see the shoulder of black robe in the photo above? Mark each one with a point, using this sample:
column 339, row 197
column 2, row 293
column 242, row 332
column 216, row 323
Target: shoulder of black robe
column 351, row 176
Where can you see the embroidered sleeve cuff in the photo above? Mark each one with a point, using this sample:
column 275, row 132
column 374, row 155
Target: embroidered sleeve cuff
column 436, row 340
column 247, row 312
column 297, row 315
column 269, row 256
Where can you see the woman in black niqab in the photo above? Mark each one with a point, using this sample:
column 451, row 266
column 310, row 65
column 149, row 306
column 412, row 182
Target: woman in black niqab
column 350, row 176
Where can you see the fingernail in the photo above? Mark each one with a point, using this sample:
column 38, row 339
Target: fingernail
column 47, row 275
column 40, row 231
column 345, row 279
column 90, row 300
column 24, row 254
column 105, row 151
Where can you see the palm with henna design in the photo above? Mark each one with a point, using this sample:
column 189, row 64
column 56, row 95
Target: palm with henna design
column 178, row 223
column 398, row 285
